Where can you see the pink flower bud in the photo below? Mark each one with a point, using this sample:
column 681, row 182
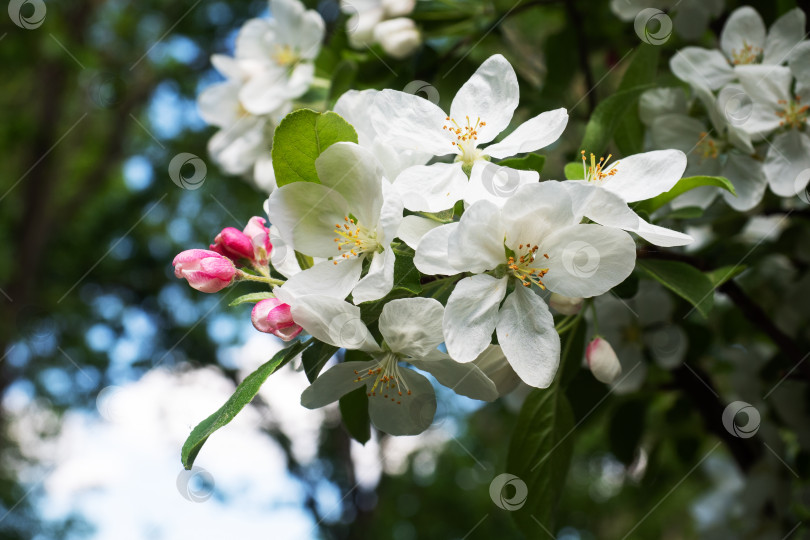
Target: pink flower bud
column 234, row 244
column 259, row 235
column 272, row 316
column 603, row 361
column 206, row 271
column 565, row 304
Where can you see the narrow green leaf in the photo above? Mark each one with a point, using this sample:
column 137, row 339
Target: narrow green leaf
column 725, row 273
column 607, row 117
column 300, row 138
column 315, row 357
column 530, row 162
column 539, row 455
column 243, row 395
column 354, row 410
column 573, row 171
column 251, row 298
column 684, row 185
column 629, row 136
column 684, row 280
column 687, row 212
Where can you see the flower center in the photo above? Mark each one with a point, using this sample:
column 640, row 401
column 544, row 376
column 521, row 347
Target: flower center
column 388, row 381
column 284, row 55
column 353, row 239
column 747, row 55
column 598, row 171
column 793, row 113
column 707, row 147
column 466, row 136
column 523, row 267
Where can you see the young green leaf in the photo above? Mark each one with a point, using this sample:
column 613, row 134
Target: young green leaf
column 243, row 395
column 251, row 298
column 300, row 138
column 573, row 171
column 725, row 273
column 530, row 162
column 315, row 357
column 684, row 185
column 684, row 280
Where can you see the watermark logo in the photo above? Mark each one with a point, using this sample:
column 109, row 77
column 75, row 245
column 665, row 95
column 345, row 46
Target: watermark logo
column 196, row 485
column 27, row 14
column 736, row 105
column 581, row 259
column 508, row 492
column 425, row 89
column 741, row 419
column 181, row 175
column 500, row 181
column 653, row 26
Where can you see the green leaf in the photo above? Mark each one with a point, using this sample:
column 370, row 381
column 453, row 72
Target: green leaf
column 573, row 351
column 725, row 273
column 252, row 298
column 440, row 289
column 315, row 357
column 530, row 162
column 243, row 395
column 629, row 136
column 300, row 138
column 573, row 171
column 539, row 455
column 304, row 261
column 606, row 119
column 684, row 280
column 354, row 410
column 684, row 185
column 687, row 212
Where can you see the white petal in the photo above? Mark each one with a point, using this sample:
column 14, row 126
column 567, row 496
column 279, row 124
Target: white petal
column 255, row 40
column 661, row 101
column 390, row 214
column 787, row 165
column 431, row 254
column 352, row 171
column 744, row 28
column 677, row 131
column 599, row 205
column 264, row 92
column 228, row 66
column 410, row 122
column 495, row 183
column 411, row 414
column 527, row 336
column 766, row 84
column 464, row 379
column 413, row 228
column 533, row 134
column 282, row 256
column 325, row 278
column 219, row 104
column 379, row 280
column 702, row 67
column 476, row 245
column 335, row 383
column 534, row 211
column 237, row 147
column 783, row 36
column 587, row 260
column 643, row 176
column 264, row 176
column 800, row 63
column 431, row 188
column 412, row 326
column 353, row 106
column 333, row 321
column 491, row 95
column 495, row 366
column 471, row 315
column 749, row 181
column 661, row 236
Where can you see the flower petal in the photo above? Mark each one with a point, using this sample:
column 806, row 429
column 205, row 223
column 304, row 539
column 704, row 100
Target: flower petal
column 661, row 236
column 412, row 326
column 335, row 383
column 531, row 135
column 749, row 181
column 353, row 106
column 744, row 28
column 410, row 122
column 534, row 211
column 643, row 176
column 352, row 171
column 411, row 414
column 787, row 165
column 431, row 188
column 476, row 245
column 495, row 366
column 413, row 228
column 332, row 321
column 463, row 379
column 527, row 336
column 491, row 95
column 379, row 280
column 703, row 67
column 800, row 63
column 495, row 183
column 783, row 36
column 431, row 254
column 471, row 315
column 325, row 278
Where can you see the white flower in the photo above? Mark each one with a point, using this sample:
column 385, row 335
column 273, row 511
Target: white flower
column 691, row 17
column 400, row 400
column 279, row 53
column 350, row 217
column 743, row 41
column 565, row 304
column 368, row 20
column 534, row 240
column 606, row 188
column 481, row 109
column 398, row 37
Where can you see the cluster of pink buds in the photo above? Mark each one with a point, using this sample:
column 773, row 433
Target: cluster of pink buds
column 251, row 244
column 205, row 270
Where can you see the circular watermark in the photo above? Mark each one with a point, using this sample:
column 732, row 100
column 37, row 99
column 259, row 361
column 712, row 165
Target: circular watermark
column 109, row 403
column 348, row 331
column 35, row 323
column 354, row 18
column 733, row 423
column 736, row 105
column 802, row 185
column 581, row 259
column 106, row 89
column 653, row 26
column 499, row 492
column 425, row 89
column 179, row 173
column 27, row 14
column 196, row 485
column 668, row 345
column 422, row 410
column 500, row 181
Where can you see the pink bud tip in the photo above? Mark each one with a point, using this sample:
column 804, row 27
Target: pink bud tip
column 234, row 244
column 273, row 317
column 205, row 270
column 259, row 235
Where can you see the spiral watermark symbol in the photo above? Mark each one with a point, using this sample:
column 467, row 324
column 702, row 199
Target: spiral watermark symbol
column 106, row 89
column 500, row 181
column 423, row 88
column 668, row 345
column 732, row 422
column 27, row 14
column 347, row 330
column 501, row 485
column 653, row 26
column 196, row 485
column 179, row 173
column 735, row 105
column 802, row 185
column 581, row 259
column 355, row 20
column 422, row 409
column 109, row 403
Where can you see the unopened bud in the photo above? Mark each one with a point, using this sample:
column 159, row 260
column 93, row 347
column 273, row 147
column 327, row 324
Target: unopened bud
column 602, row 361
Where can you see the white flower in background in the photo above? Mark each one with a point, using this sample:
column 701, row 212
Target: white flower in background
column 279, row 53
column 400, row 400
column 350, row 217
column 481, row 109
column 607, row 186
column 565, row 304
column 691, row 17
column 743, row 41
column 720, row 150
column 535, row 240
column 384, row 22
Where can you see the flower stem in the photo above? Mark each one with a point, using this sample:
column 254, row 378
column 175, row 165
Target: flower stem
column 261, row 279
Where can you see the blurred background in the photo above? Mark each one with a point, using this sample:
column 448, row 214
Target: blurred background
column 108, row 360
